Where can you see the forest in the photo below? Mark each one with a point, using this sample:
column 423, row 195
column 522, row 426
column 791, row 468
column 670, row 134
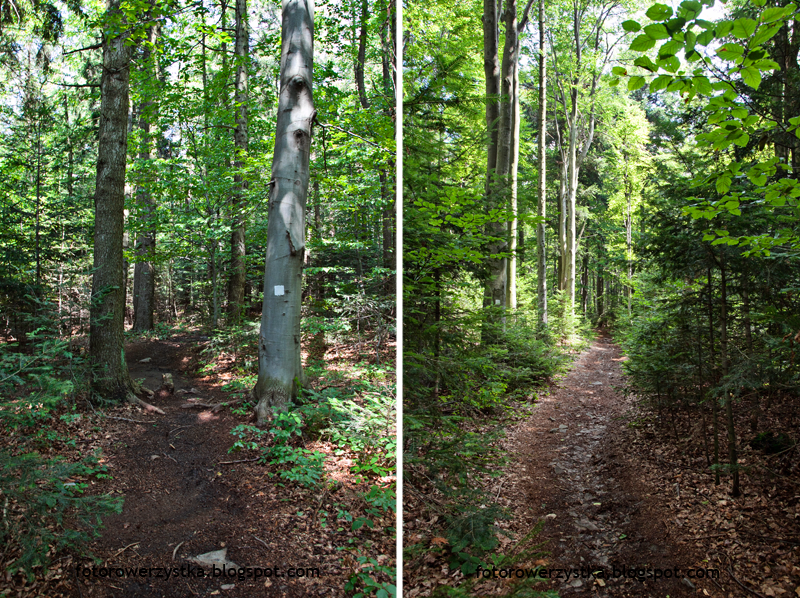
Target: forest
column 197, row 297
column 600, row 298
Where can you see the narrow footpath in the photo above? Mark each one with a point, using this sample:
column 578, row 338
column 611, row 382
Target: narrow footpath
column 573, row 469
column 185, row 497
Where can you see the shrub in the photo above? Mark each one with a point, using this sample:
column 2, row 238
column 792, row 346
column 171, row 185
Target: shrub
column 45, row 510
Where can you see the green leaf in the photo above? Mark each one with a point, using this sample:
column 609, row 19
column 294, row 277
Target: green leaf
column 690, row 40
column 773, row 14
column 691, row 8
column 659, row 12
column 741, row 139
column 635, row 83
column 758, row 179
column 702, row 85
column 671, row 64
column 670, row 48
column 677, row 84
column 764, row 34
column 708, row 237
column 743, row 28
column 645, row 63
column 723, row 184
column 730, row 51
column 656, row 31
column 618, row 70
column 613, row 82
column 631, row 26
column 642, row 43
column 675, row 25
column 659, row 83
column 752, row 76
column 705, row 37
column 724, row 28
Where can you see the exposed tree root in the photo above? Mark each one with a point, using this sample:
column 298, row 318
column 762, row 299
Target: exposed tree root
column 132, row 398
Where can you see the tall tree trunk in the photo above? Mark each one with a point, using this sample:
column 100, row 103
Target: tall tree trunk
column 541, row 245
column 238, row 272
column 362, row 55
column 748, row 330
column 110, row 377
column 495, row 292
column 723, row 344
column 491, row 69
column 562, row 227
column 386, row 174
column 715, row 403
column 144, row 274
column 584, row 282
column 628, row 232
column 38, row 200
column 600, row 306
column 511, row 275
column 279, row 368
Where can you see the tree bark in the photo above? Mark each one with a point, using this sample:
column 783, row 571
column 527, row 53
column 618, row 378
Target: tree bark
column 495, row 292
column 541, row 246
column 511, row 275
column 144, row 274
column 111, row 379
column 279, row 367
column 238, row 272
column 362, row 55
column 723, row 344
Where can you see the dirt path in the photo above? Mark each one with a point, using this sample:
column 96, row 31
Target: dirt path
column 180, row 501
column 572, row 469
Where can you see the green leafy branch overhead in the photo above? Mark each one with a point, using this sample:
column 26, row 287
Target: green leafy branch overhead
column 717, row 63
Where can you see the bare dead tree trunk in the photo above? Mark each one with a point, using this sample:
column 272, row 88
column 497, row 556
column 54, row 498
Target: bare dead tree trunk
column 279, row 367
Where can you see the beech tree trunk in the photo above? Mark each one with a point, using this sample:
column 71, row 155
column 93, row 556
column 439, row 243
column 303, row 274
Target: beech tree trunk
column 511, row 274
column 238, row 272
column 111, row 379
column 541, row 247
column 495, row 291
column 362, row 55
column 279, row 367
column 144, row 273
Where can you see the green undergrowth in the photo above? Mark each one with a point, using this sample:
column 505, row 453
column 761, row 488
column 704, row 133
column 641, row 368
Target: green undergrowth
column 459, row 397
column 354, row 410
column 45, row 511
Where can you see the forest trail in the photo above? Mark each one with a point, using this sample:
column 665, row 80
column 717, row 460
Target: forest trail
column 572, row 469
column 181, row 502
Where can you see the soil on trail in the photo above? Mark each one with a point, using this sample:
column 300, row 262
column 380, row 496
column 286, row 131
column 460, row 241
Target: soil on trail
column 572, row 469
column 181, row 501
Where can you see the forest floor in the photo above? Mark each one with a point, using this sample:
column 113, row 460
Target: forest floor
column 614, row 495
column 572, row 469
column 185, row 496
